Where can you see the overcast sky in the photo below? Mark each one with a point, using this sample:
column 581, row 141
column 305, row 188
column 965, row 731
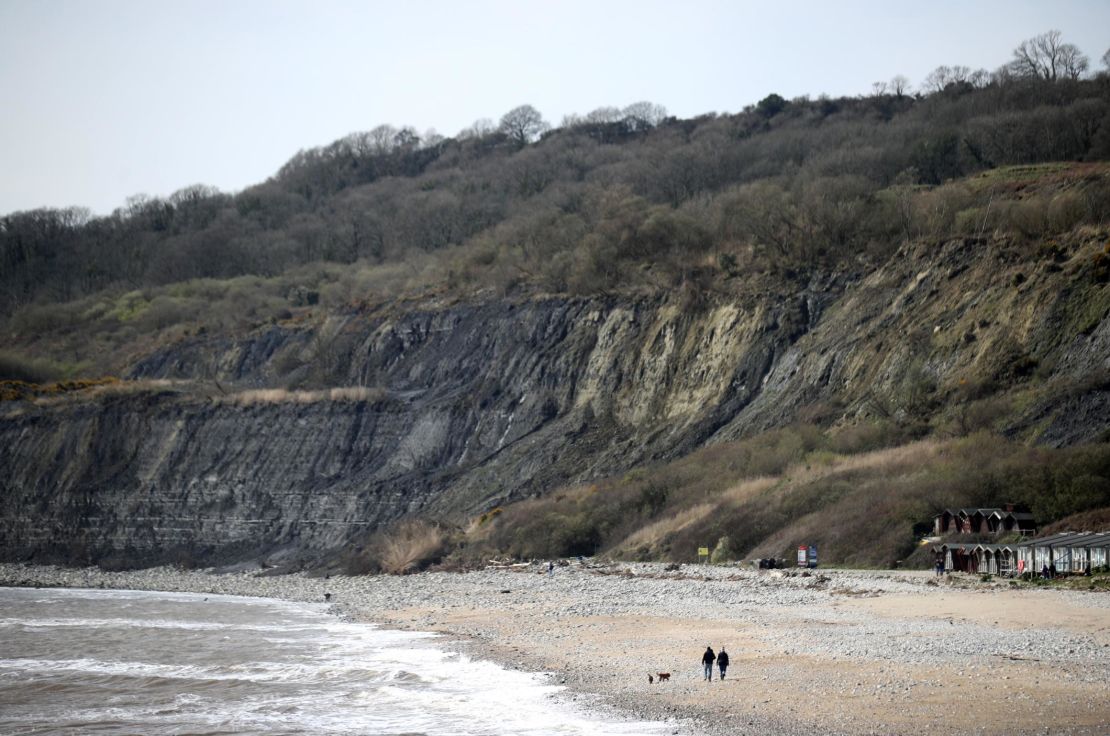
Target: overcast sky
column 103, row 99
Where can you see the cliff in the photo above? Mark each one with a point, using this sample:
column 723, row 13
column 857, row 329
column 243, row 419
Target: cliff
column 467, row 405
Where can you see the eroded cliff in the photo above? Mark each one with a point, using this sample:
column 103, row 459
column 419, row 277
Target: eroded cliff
column 465, row 406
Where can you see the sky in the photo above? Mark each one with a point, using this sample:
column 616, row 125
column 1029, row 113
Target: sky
column 104, row 99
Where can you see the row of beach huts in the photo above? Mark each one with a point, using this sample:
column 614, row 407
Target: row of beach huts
column 1064, row 553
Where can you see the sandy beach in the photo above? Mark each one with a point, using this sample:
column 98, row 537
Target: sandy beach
column 832, row 652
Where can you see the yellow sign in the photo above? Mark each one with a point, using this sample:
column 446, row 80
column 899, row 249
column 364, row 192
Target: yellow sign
column 703, row 551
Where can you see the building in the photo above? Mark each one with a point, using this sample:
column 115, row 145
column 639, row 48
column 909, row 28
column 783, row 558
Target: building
column 996, row 559
column 1089, row 552
column 958, row 556
column 1069, row 552
column 1009, row 518
column 982, row 558
column 1046, row 552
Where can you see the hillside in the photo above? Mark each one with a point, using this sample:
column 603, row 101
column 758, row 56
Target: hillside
column 635, row 336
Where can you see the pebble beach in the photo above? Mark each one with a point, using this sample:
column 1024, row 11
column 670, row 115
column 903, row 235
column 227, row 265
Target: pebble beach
column 822, row 651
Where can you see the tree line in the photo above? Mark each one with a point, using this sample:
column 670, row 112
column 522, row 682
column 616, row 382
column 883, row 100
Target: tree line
column 614, row 198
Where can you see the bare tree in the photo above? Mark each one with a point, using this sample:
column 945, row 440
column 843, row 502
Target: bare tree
column 944, row 76
column 1046, row 57
column 899, row 85
column 480, row 128
column 572, row 119
column 382, row 138
column 358, row 143
column 193, row 194
column 406, row 139
column 937, row 80
column 431, row 138
column 979, row 78
column 879, row 89
column 644, row 115
column 523, row 124
column 611, row 114
column 1073, row 62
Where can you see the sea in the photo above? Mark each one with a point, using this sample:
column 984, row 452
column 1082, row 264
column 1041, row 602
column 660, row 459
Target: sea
column 77, row 661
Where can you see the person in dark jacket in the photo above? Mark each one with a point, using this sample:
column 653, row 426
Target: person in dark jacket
column 707, row 660
column 722, row 662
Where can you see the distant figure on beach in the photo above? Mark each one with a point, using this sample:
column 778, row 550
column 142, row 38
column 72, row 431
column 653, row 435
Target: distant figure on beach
column 1044, row 572
column 550, row 568
column 707, row 660
column 940, row 566
column 722, row 662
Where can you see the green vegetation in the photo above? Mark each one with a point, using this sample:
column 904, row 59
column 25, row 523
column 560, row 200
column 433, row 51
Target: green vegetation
column 15, row 367
column 22, row 390
column 862, row 505
column 1098, row 580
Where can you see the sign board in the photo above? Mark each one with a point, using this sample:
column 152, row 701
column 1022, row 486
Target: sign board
column 812, row 555
column 703, row 552
column 802, row 551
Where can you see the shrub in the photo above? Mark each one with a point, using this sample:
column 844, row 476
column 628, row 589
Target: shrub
column 653, row 498
column 722, row 552
column 15, row 367
column 263, row 396
column 489, row 516
column 409, row 545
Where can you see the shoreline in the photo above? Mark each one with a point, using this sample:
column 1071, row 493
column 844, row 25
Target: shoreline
column 837, row 652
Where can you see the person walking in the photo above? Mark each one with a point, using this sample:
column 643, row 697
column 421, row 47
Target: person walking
column 722, row 662
column 707, row 660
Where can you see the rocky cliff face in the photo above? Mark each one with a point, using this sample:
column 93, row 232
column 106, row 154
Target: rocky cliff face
column 474, row 404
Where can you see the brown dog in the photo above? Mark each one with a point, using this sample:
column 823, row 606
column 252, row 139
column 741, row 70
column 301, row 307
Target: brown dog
column 663, row 676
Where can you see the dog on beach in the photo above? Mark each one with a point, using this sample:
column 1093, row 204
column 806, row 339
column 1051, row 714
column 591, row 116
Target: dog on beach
column 661, row 675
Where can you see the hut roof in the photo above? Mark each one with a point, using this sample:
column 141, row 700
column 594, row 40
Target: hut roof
column 1018, row 515
column 1053, row 540
column 1095, row 539
column 997, row 547
column 955, row 545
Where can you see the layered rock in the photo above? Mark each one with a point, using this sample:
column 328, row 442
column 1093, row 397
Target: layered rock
column 469, row 405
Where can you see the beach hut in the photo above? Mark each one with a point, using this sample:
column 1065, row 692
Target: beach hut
column 1088, row 551
column 1100, row 553
column 1005, row 520
column 995, row 559
column 1009, row 518
column 958, row 556
column 1038, row 554
column 967, row 521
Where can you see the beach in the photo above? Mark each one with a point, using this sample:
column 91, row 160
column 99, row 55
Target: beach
column 821, row 651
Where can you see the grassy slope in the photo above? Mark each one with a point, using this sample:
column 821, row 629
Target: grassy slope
column 763, row 496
